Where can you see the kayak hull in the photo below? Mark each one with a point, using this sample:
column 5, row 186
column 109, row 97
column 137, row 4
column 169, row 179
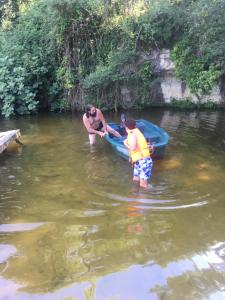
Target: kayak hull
column 157, row 136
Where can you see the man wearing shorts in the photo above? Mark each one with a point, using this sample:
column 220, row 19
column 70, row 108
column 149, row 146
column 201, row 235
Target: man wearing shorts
column 139, row 154
column 95, row 123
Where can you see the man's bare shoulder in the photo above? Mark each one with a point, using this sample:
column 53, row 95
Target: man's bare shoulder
column 85, row 118
column 98, row 110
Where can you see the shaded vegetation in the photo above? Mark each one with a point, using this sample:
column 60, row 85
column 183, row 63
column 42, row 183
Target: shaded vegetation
column 59, row 54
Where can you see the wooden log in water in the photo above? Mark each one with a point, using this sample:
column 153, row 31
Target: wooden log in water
column 8, row 137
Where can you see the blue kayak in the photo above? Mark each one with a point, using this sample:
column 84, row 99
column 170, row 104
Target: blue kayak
column 153, row 133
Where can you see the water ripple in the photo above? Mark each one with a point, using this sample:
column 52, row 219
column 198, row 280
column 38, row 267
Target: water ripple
column 6, row 251
column 128, row 199
column 19, row 227
column 172, row 207
column 146, row 203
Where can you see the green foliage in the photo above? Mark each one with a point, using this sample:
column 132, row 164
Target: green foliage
column 16, row 96
column 161, row 25
column 64, row 75
column 144, row 78
column 193, row 70
column 207, row 26
column 184, row 104
column 53, row 51
column 59, row 105
column 110, row 73
column 106, row 80
column 188, row 104
column 145, row 73
column 9, row 12
column 27, row 62
column 199, row 56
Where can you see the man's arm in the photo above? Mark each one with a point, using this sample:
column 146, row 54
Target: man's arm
column 89, row 128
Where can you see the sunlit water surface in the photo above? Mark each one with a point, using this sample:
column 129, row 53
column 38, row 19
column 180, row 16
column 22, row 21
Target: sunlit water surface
column 73, row 226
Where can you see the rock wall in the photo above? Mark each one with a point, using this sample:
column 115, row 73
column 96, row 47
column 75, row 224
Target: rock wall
column 173, row 88
column 165, row 87
column 169, row 87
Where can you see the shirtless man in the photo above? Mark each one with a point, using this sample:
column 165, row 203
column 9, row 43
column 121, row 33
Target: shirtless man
column 95, row 124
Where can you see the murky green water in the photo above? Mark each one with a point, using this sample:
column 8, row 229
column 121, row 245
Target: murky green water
column 72, row 226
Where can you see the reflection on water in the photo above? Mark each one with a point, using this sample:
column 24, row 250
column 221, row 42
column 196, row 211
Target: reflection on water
column 73, row 226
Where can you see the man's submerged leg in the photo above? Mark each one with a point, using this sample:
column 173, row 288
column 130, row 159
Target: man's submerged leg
column 92, row 139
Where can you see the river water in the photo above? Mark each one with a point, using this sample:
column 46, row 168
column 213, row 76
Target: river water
column 73, row 226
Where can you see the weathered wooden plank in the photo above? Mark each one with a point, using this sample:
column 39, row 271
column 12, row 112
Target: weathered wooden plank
column 8, row 137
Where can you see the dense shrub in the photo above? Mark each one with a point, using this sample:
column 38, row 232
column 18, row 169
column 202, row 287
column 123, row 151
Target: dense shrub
column 57, row 52
column 27, row 62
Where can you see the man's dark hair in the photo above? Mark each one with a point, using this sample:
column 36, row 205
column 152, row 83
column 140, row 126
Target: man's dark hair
column 130, row 124
column 88, row 108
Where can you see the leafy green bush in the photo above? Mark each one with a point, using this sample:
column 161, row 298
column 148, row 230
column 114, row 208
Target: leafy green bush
column 193, row 70
column 62, row 49
column 16, row 95
column 110, row 73
column 199, row 56
column 28, row 59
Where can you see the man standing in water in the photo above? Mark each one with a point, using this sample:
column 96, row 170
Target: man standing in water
column 139, row 154
column 95, row 124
